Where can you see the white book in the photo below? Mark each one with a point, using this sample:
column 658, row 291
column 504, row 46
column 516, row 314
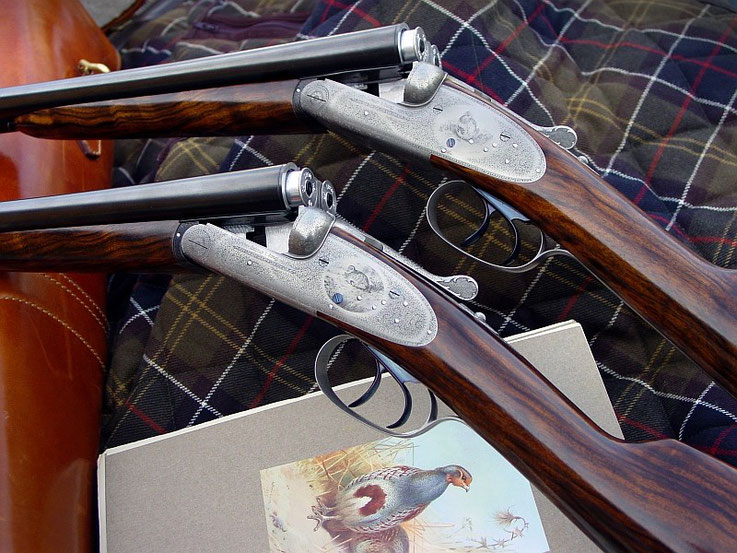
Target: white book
column 240, row 483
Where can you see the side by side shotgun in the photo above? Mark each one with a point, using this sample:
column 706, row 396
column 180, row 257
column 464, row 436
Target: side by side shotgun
column 433, row 118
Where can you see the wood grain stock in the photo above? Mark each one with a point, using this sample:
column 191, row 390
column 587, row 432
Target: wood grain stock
column 636, row 497
column 691, row 301
column 263, row 108
column 135, row 247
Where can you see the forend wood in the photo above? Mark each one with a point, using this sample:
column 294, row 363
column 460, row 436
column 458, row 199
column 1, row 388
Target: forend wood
column 226, row 111
column 654, row 497
column 135, row 247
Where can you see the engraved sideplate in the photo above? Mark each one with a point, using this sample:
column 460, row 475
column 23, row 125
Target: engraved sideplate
column 463, row 287
column 340, row 280
column 454, row 125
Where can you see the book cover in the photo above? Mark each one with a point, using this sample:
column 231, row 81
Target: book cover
column 240, row 483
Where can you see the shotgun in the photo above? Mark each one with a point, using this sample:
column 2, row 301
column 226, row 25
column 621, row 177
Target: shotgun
column 653, row 497
column 425, row 116
column 660, row 496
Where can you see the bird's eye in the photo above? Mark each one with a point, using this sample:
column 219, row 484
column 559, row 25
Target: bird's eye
column 463, row 477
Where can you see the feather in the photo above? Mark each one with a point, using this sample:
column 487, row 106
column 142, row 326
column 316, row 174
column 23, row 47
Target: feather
column 378, row 499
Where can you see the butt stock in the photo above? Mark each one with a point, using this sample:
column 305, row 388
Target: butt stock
column 134, row 247
column 654, row 497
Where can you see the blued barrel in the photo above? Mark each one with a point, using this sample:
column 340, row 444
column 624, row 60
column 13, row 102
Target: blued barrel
column 369, row 50
column 254, row 193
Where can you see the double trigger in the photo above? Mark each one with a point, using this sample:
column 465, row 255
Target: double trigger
column 382, row 366
column 445, row 199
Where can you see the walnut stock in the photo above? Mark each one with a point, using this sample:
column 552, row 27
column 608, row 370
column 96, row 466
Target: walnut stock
column 227, row 111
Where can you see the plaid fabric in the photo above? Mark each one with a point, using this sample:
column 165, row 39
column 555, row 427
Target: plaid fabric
column 648, row 85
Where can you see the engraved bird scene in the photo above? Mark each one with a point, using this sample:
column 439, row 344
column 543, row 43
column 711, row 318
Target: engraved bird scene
column 355, row 288
column 387, row 497
column 464, row 127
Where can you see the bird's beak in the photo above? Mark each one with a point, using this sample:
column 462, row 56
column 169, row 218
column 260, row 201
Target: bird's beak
column 465, row 487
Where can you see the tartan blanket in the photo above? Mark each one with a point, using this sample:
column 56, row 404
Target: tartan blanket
column 648, row 85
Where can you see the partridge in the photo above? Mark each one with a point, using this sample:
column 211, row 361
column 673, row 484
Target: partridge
column 380, row 500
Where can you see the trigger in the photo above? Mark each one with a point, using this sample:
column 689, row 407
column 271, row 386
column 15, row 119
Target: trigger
column 492, row 204
column 509, row 213
column 399, row 374
column 368, row 394
column 479, row 232
column 383, row 363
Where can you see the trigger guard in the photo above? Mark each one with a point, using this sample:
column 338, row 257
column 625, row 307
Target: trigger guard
column 509, row 213
column 323, row 382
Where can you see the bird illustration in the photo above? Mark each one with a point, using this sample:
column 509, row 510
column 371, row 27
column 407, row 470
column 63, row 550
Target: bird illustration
column 380, row 500
column 394, row 540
